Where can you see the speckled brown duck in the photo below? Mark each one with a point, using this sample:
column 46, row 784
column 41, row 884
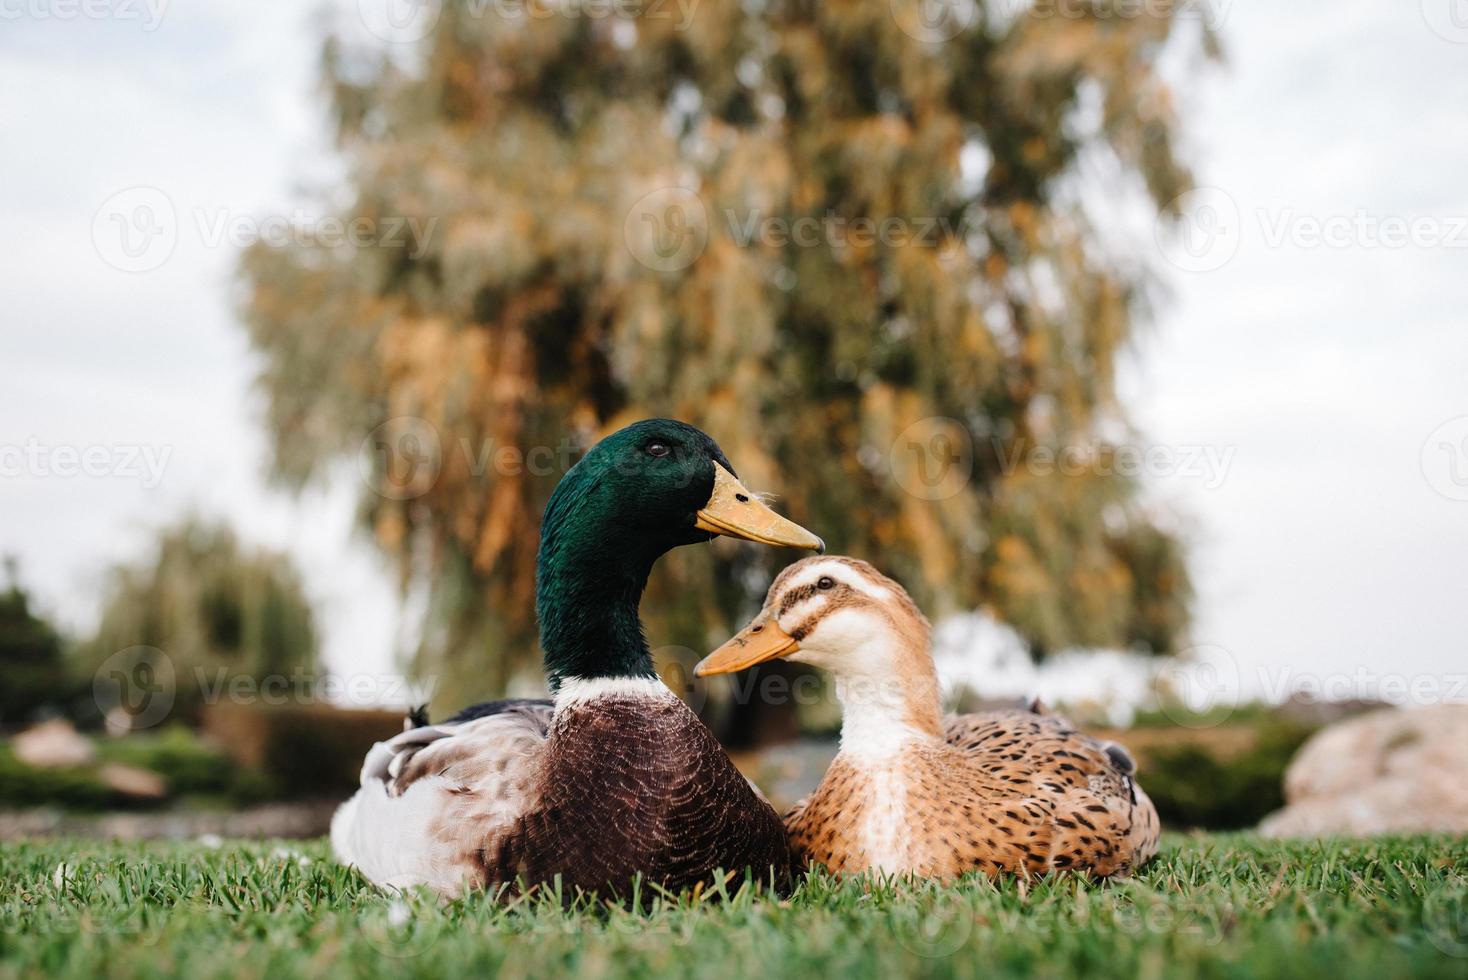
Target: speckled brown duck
column 613, row 777
column 913, row 792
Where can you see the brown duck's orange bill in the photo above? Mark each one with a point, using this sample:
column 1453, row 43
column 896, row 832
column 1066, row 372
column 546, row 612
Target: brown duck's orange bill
column 761, row 640
column 734, row 511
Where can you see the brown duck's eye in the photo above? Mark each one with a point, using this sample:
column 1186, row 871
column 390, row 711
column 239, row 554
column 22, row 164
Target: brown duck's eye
column 658, row 449
column 825, row 582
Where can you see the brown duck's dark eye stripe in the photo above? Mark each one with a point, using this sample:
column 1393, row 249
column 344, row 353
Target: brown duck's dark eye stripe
column 795, row 597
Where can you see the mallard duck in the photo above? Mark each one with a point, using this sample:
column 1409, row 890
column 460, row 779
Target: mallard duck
column 912, row 792
column 613, row 776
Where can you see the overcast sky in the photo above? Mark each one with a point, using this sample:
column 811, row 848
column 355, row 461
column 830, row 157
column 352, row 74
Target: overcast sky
column 1304, row 386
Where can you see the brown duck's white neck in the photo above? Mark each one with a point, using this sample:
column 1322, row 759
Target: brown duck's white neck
column 887, row 687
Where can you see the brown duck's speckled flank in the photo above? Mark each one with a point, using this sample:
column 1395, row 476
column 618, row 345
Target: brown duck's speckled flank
column 1003, row 792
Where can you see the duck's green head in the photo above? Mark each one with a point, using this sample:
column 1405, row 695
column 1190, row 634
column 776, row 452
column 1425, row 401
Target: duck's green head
column 637, row 494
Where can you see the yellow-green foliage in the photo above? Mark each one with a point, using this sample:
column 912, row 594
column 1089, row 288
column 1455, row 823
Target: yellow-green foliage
column 521, row 315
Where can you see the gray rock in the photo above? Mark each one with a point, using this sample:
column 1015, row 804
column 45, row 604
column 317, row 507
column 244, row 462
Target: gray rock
column 1391, row 771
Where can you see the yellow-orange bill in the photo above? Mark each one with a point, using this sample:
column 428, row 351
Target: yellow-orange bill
column 734, row 511
column 761, row 640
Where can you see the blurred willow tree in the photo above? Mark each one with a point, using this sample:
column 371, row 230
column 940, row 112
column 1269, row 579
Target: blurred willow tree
column 848, row 239
column 34, row 674
column 214, row 610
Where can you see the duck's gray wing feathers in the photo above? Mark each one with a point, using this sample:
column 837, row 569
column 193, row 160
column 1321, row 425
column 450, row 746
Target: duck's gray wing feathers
column 433, row 797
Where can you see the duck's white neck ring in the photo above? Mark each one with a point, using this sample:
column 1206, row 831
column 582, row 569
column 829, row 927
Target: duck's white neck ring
column 575, row 691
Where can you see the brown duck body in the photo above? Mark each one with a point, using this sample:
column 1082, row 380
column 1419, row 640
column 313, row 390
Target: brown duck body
column 594, row 791
column 998, row 792
column 913, row 792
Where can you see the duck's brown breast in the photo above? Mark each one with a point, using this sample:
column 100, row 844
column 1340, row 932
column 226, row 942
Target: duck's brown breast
column 638, row 785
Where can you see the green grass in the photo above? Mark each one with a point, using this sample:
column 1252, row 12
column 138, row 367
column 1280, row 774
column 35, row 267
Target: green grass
column 1230, row 906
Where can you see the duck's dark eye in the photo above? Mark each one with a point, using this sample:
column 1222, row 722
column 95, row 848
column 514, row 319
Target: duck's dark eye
column 658, row 449
column 825, row 582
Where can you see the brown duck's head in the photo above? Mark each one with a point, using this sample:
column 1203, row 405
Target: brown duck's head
column 839, row 614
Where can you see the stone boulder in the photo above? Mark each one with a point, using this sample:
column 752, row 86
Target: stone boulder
column 53, row 744
column 1390, row 771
